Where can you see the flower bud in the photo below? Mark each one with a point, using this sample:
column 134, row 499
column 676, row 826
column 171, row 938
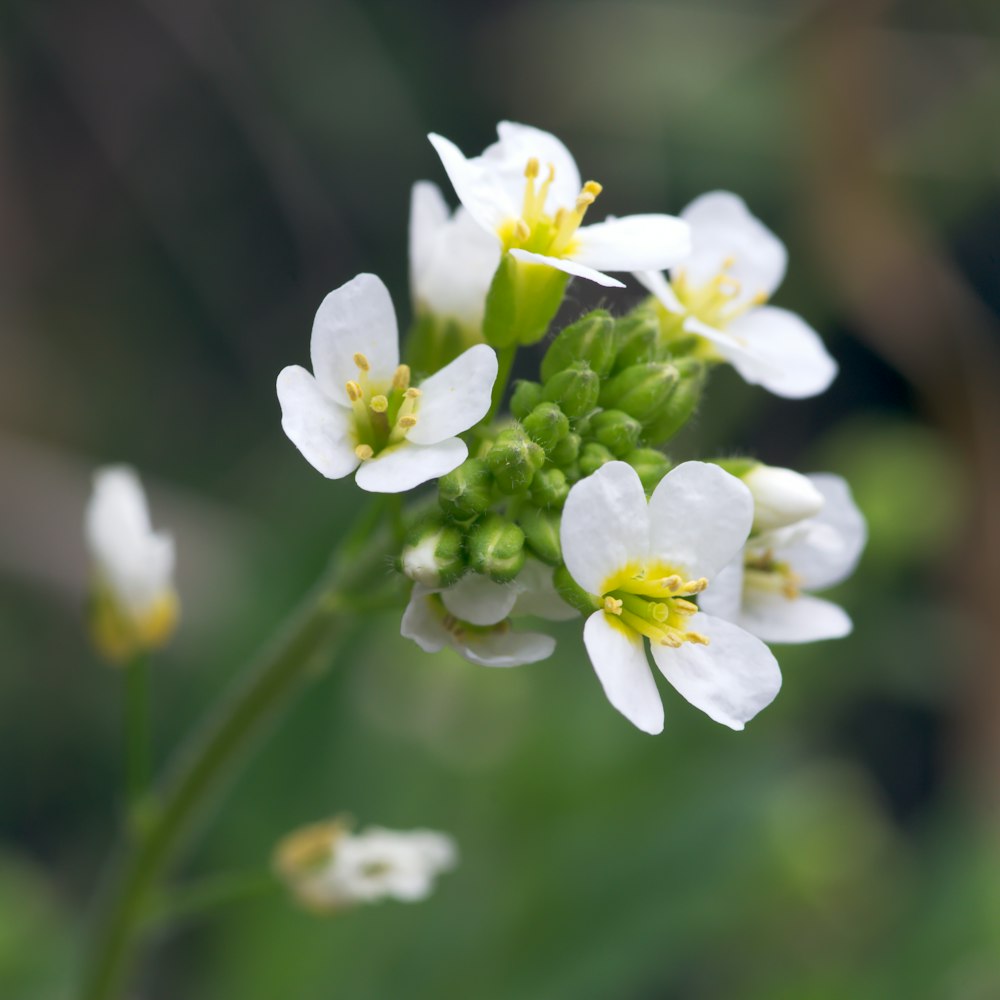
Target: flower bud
column 522, row 300
column 641, row 391
column 433, row 554
column 593, row 456
column 638, row 336
column 590, row 339
column 546, row 425
column 496, row 548
column 617, row 431
column 467, row 491
column 526, row 396
column 575, row 389
column 651, row 466
column 541, row 530
column 567, row 451
column 514, row 459
column 549, row 487
column 780, row 497
column 681, row 403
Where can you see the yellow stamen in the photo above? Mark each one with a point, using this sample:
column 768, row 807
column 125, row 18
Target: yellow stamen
column 364, row 452
column 379, row 404
column 362, row 362
column 531, row 168
column 413, row 393
column 353, row 391
column 522, row 229
column 697, row 638
column 406, row 422
column 401, row 378
column 612, row 605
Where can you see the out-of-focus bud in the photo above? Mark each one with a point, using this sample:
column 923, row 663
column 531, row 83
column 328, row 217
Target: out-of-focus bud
column 780, row 497
column 639, row 342
column 513, row 460
column 526, row 396
column 572, row 593
column 546, row 425
column 590, row 339
column 466, row 492
column 567, row 451
column 549, row 487
column 496, row 548
column 541, row 530
column 681, row 403
column 641, row 391
column 575, row 389
column 433, row 554
column 650, row 464
column 592, row 457
column 616, row 430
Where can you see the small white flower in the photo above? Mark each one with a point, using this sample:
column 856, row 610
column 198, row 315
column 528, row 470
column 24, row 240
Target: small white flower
column 473, row 617
column 780, row 497
column 135, row 605
column 452, row 260
column 358, row 410
column 330, row 869
column 761, row 590
column 641, row 562
column 525, row 189
column 719, row 291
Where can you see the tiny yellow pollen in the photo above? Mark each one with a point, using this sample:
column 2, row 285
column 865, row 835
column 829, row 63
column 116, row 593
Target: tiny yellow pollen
column 401, row 377
column 592, row 188
column 353, row 391
column 362, row 362
column 522, row 229
column 612, row 605
column 413, row 393
column 379, row 404
column 407, row 422
column 364, row 452
column 531, row 168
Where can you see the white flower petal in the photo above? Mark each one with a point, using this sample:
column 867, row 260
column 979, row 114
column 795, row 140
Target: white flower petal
column 730, row 680
column 357, row 318
column 699, row 517
column 475, row 183
column 567, row 266
column 781, row 352
column 429, row 214
column 519, row 143
column 320, row 428
column 724, row 597
column 457, row 397
column 775, row 618
column 633, row 243
column 781, row 497
column 657, row 285
column 537, row 594
column 505, row 647
column 422, row 621
column 619, row 659
column 605, row 525
column 723, row 230
column 407, row 465
column 479, row 600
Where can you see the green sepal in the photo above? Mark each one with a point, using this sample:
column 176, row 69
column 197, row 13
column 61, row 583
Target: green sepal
column 616, row 430
column 650, row 464
column 639, row 340
column 546, row 425
column 681, row 405
column 641, row 391
column 496, row 548
column 521, row 302
column 541, row 531
column 549, row 487
column 575, row 389
column 567, row 451
column 591, row 339
column 737, row 467
column 593, row 456
column 467, row 491
column 513, row 460
column 573, row 594
column 435, row 341
column 526, row 396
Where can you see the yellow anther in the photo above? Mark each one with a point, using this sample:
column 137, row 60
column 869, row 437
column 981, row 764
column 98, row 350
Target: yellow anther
column 697, row 638
column 759, row 298
column 683, row 607
column 592, row 188
column 406, row 422
column 612, row 605
column 413, row 393
column 531, row 168
column 672, row 583
column 353, row 391
column 401, row 378
column 364, row 452
column 522, row 229
column 671, row 640
column 379, row 404
column 694, row 586
column 362, row 362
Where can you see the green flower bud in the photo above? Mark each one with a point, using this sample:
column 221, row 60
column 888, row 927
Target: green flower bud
column 527, row 395
column 546, row 425
column 522, row 300
column 593, row 456
column 590, row 339
column 566, row 451
column 641, row 391
column 549, row 487
column 639, row 342
column 575, row 389
column 496, row 548
column 681, row 404
column 513, row 460
column 541, row 529
column 617, row 431
column 467, row 491
column 650, row 464
column 433, row 553
column 572, row 593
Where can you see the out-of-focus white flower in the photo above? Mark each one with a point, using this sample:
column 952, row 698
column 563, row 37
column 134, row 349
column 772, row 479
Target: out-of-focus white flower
column 330, row 869
column 719, row 291
column 452, row 260
column 640, row 562
column 357, row 410
column 780, row 497
column 761, row 590
column 473, row 617
column 525, row 189
column 134, row 606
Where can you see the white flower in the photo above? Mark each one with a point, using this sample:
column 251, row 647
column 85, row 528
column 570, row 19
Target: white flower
column 780, row 497
column 718, row 293
column 472, row 617
column 358, row 408
column 641, row 562
column 135, row 605
column 525, row 189
column 452, row 260
column 761, row 590
column 330, row 868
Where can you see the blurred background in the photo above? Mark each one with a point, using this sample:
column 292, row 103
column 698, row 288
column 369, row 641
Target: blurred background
column 182, row 182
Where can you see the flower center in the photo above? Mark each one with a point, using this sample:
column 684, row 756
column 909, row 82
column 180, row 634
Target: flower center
column 714, row 302
column 383, row 414
column 651, row 600
column 535, row 229
column 763, row 572
column 460, row 630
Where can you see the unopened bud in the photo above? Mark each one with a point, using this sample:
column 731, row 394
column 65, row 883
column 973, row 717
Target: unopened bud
column 467, row 491
column 526, row 396
column 567, row 451
column 496, row 548
column 781, row 497
column 541, row 530
column 651, row 466
column 513, row 460
column 593, row 456
column 681, row 404
column 549, row 487
column 616, row 430
column 546, row 425
column 590, row 339
column 641, row 391
column 575, row 389
column 639, row 342
column 432, row 554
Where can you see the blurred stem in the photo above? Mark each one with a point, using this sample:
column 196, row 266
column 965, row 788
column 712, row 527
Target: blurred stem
column 136, row 732
column 505, row 363
column 212, row 752
column 211, row 893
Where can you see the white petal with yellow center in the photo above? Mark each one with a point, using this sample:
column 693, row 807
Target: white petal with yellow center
column 405, row 466
column 457, row 397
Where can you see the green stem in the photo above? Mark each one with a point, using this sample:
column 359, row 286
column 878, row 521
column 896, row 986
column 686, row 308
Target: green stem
column 136, row 732
column 213, row 751
column 223, row 889
column 505, row 361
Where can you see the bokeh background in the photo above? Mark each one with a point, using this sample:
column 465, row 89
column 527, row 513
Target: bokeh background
column 180, row 184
